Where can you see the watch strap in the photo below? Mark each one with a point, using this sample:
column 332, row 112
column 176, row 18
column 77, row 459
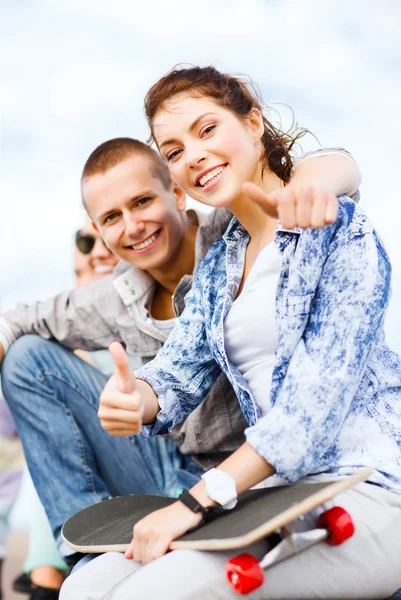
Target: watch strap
column 208, row 512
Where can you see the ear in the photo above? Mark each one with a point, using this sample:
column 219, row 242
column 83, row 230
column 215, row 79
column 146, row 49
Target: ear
column 256, row 123
column 180, row 197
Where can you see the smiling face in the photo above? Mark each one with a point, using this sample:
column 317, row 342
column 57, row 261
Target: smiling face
column 97, row 263
column 140, row 220
column 210, row 151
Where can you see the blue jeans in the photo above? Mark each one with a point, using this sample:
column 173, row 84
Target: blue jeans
column 54, row 397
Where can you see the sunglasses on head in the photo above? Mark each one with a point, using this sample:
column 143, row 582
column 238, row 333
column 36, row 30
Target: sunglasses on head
column 85, row 242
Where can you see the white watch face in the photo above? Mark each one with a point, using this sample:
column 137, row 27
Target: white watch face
column 221, row 488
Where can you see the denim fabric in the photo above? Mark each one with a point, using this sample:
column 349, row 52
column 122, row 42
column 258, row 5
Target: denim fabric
column 335, row 396
column 54, row 396
column 90, row 318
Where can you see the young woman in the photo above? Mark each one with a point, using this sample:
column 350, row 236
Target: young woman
column 295, row 320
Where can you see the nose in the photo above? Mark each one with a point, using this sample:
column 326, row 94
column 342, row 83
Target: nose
column 196, row 155
column 133, row 226
column 100, row 251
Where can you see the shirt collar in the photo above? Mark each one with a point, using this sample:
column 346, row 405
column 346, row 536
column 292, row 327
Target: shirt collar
column 132, row 283
column 235, row 230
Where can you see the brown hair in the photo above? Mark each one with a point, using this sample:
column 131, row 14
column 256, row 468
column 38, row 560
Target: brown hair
column 233, row 93
column 113, row 152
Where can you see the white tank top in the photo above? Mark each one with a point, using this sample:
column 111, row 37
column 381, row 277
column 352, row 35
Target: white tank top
column 250, row 332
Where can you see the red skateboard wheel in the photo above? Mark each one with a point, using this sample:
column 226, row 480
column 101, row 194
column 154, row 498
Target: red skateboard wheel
column 339, row 524
column 244, row 573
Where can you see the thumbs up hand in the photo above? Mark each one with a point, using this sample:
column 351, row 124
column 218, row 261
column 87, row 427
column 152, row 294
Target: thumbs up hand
column 298, row 204
column 121, row 408
column 125, row 378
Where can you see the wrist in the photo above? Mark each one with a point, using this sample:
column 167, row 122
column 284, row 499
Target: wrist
column 221, row 488
column 202, row 514
column 191, row 519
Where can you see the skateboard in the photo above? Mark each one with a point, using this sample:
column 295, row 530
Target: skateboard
column 260, row 513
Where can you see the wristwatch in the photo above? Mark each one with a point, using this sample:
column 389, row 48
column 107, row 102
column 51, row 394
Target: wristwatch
column 221, row 488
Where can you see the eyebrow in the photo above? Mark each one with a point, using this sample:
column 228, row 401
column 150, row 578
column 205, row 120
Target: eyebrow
column 143, row 194
column 191, row 128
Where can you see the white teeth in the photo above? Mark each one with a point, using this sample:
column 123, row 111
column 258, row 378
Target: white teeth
column 203, row 180
column 144, row 244
column 101, row 269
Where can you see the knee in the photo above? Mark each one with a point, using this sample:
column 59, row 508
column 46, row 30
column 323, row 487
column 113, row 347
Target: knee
column 22, row 349
column 23, row 357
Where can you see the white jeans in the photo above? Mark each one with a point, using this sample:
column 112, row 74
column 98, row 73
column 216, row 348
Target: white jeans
column 366, row 566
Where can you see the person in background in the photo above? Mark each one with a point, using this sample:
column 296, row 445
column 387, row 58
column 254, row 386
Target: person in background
column 44, row 569
column 11, row 466
column 92, row 259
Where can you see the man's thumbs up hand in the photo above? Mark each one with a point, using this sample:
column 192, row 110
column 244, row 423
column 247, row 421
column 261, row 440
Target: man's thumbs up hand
column 125, row 378
column 121, row 408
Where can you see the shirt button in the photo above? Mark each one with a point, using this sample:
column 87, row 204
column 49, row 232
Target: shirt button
column 126, row 281
column 133, row 292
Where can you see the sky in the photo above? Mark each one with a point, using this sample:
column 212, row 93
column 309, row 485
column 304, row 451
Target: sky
column 74, row 73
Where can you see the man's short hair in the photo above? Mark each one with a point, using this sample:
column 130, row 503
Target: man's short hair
column 113, row 152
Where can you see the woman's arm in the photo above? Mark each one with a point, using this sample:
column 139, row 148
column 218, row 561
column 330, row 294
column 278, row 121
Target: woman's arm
column 325, row 370
column 153, row 534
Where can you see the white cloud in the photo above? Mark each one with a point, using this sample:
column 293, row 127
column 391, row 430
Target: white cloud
column 164, row 20
column 79, row 87
column 74, row 74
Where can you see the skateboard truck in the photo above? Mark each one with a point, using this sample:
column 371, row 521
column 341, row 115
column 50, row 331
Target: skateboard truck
column 245, row 572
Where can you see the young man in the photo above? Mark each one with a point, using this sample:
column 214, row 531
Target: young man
column 53, row 395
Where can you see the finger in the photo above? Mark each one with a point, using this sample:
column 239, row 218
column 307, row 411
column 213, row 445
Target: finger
column 121, row 429
column 159, row 548
column 303, row 209
column 124, row 376
column 114, row 400
column 267, row 202
column 147, row 548
column 114, row 425
column 136, row 547
column 287, row 211
column 331, row 209
column 129, row 553
column 317, row 219
column 119, row 415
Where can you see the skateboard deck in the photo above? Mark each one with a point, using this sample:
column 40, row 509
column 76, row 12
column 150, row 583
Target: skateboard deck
column 107, row 526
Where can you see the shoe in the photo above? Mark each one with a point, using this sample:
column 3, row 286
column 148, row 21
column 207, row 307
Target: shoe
column 22, row 584
column 43, row 593
column 73, row 559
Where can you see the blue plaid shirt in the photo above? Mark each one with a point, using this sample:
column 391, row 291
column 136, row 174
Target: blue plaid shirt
column 335, row 399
